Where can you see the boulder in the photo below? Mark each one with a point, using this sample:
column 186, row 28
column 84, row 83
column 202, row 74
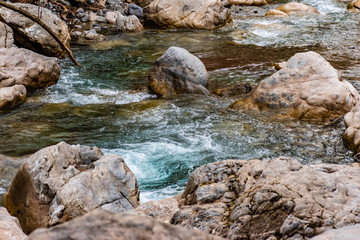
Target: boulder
column 270, row 199
column 352, row 132
column 295, row 8
column 24, row 67
column 10, row 227
column 30, row 35
column 6, row 36
column 249, row 2
column 128, row 23
column 178, row 71
column 189, row 14
column 12, row 96
column 307, row 87
column 102, row 225
column 344, row 233
column 62, row 182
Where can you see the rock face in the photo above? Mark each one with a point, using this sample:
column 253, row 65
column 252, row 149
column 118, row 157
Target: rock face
column 294, row 8
column 6, row 36
column 178, row 71
column 198, row 14
column 101, row 225
column 12, row 96
column 30, row 35
column 10, row 227
column 270, row 199
column 62, row 182
column 344, row 233
column 307, row 87
column 24, row 67
column 249, row 2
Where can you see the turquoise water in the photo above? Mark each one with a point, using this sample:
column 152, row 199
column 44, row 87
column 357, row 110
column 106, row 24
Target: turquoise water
column 105, row 103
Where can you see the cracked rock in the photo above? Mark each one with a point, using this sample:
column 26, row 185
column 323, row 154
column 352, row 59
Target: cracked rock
column 270, row 199
column 62, row 182
column 307, row 88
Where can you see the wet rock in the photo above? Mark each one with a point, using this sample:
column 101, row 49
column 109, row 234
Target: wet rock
column 344, row 233
column 161, row 210
column 189, row 14
column 294, row 8
column 237, row 89
column 178, row 71
column 11, row 97
column 10, row 227
column 30, row 35
column 136, row 10
column 307, row 88
column 6, row 36
column 33, row 71
column 62, row 182
column 276, row 13
column 270, row 199
column 249, row 2
column 102, row 225
column 128, row 23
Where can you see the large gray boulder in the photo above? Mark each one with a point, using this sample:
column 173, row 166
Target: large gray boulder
column 62, row 182
column 191, row 14
column 307, row 88
column 11, row 97
column 270, row 199
column 10, row 227
column 30, row 35
column 6, row 36
column 178, row 71
column 103, row 225
column 24, row 67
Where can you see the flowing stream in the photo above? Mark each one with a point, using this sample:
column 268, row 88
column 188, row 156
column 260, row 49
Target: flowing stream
column 164, row 140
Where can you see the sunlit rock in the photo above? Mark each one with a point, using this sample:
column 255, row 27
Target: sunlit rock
column 178, row 71
column 292, row 8
column 101, row 224
column 307, row 87
column 354, row 6
column 9, row 227
column 62, row 182
column 198, row 14
column 344, row 233
column 11, row 97
column 32, row 36
column 270, row 199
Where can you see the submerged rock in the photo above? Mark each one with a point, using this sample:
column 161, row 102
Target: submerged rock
column 198, row 14
column 178, row 71
column 270, row 199
column 9, row 227
column 32, row 36
column 102, row 225
column 307, row 87
column 11, row 97
column 24, row 67
column 62, row 182
column 6, row 36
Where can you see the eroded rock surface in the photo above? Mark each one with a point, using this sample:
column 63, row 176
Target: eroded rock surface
column 344, row 233
column 6, row 36
column 307, row 87
column 12, row 96
column 10, row 227
column 270, row 199
column 30, row 35
column 101, row 225
column 24, row 67
column 63, row 181
column 198, row 14
column 178, row 71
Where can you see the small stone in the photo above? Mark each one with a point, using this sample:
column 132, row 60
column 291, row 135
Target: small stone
column 136, row 10
column 101, row 19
